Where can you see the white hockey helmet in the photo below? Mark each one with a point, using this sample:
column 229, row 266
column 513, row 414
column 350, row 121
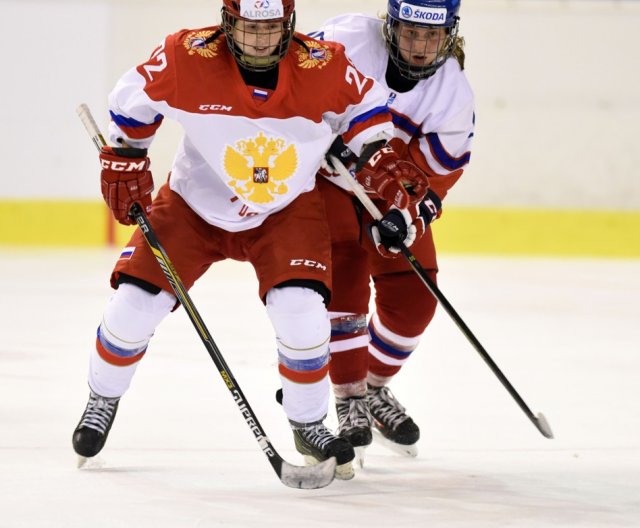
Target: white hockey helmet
column 420, row 14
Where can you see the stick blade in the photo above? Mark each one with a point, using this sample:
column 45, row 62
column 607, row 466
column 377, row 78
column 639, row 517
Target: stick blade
column 308, row 477
column 543, row 426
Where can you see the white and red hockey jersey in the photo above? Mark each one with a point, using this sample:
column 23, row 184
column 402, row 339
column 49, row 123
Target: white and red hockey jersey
column 246, row 152
column 434, row 121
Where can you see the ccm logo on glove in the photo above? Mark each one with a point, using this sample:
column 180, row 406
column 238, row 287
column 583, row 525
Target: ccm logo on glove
column 125, row 179
column 123, row 166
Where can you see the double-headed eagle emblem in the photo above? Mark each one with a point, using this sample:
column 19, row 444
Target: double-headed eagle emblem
column 196, row 42
column 259, row 167
column 315, row 55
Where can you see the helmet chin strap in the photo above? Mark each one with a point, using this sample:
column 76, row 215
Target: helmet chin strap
column 251, row 60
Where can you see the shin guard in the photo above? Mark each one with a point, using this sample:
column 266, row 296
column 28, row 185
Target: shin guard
column 129, row 321
column 302, row 327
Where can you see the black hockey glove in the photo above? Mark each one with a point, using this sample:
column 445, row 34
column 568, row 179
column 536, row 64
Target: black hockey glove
column 340, row 151
column 404, row 226
column 392, row 230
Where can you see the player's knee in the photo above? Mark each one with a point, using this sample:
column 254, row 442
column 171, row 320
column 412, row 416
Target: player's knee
column 131, row 317
column 403, row 304
column 300, row 320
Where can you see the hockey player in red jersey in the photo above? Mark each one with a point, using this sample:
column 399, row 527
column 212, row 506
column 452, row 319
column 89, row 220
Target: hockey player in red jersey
column 417, row 55
column 242, row 186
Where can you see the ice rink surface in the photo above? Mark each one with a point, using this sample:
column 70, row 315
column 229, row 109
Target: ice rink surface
column 565, row 332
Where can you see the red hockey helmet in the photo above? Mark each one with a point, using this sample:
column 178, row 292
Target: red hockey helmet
column 258, row 32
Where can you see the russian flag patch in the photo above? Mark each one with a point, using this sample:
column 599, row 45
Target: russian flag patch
column 260, row 94
column 127, row 253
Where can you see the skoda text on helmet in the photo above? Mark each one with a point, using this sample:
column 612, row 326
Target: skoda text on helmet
column 258, row 32
column 421, row 34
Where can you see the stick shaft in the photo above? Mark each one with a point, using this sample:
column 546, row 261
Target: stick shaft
column 539, row 421
column 293, row 476
column 91, row 126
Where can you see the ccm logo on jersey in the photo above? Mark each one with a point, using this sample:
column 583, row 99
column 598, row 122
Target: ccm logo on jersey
column 435, row 15
column 308, row 263
column 123, row 166
column 215, row 108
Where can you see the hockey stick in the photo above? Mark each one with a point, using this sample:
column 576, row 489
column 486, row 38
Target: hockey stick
column 307, row 477
column 539, row 421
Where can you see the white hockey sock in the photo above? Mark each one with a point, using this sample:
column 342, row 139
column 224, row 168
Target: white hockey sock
column 302, row 327
column 129, row 320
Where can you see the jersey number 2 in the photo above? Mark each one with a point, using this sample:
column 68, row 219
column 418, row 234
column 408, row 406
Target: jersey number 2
column 160, row 56
column 352, row 76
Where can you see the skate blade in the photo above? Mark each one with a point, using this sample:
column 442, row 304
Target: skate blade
column 401, row 449
column 90, row 462
column 345, row 471
column 342, row 472
column 360, row 455
column 306, row 477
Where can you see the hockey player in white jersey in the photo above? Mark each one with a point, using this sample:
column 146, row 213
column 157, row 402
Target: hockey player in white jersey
column 242, row 186
column 415, row 52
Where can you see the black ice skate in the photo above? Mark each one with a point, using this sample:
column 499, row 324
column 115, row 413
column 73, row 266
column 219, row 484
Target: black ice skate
column 316, row 443
column 92, row 431
column 354, row 423
column 398, row 431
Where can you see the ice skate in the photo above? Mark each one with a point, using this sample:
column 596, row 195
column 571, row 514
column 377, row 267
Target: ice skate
column 316, row 443
column 91, row 433
column 354, row 424
column 396, row 429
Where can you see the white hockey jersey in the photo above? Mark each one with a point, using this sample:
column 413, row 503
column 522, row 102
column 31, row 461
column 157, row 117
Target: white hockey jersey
column 246, row 153
column 434, row 121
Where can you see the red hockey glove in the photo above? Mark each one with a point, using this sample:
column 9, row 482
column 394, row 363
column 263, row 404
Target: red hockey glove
column 125, row 179
column 426, row 212
column 397, row 181
column 403, row 226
